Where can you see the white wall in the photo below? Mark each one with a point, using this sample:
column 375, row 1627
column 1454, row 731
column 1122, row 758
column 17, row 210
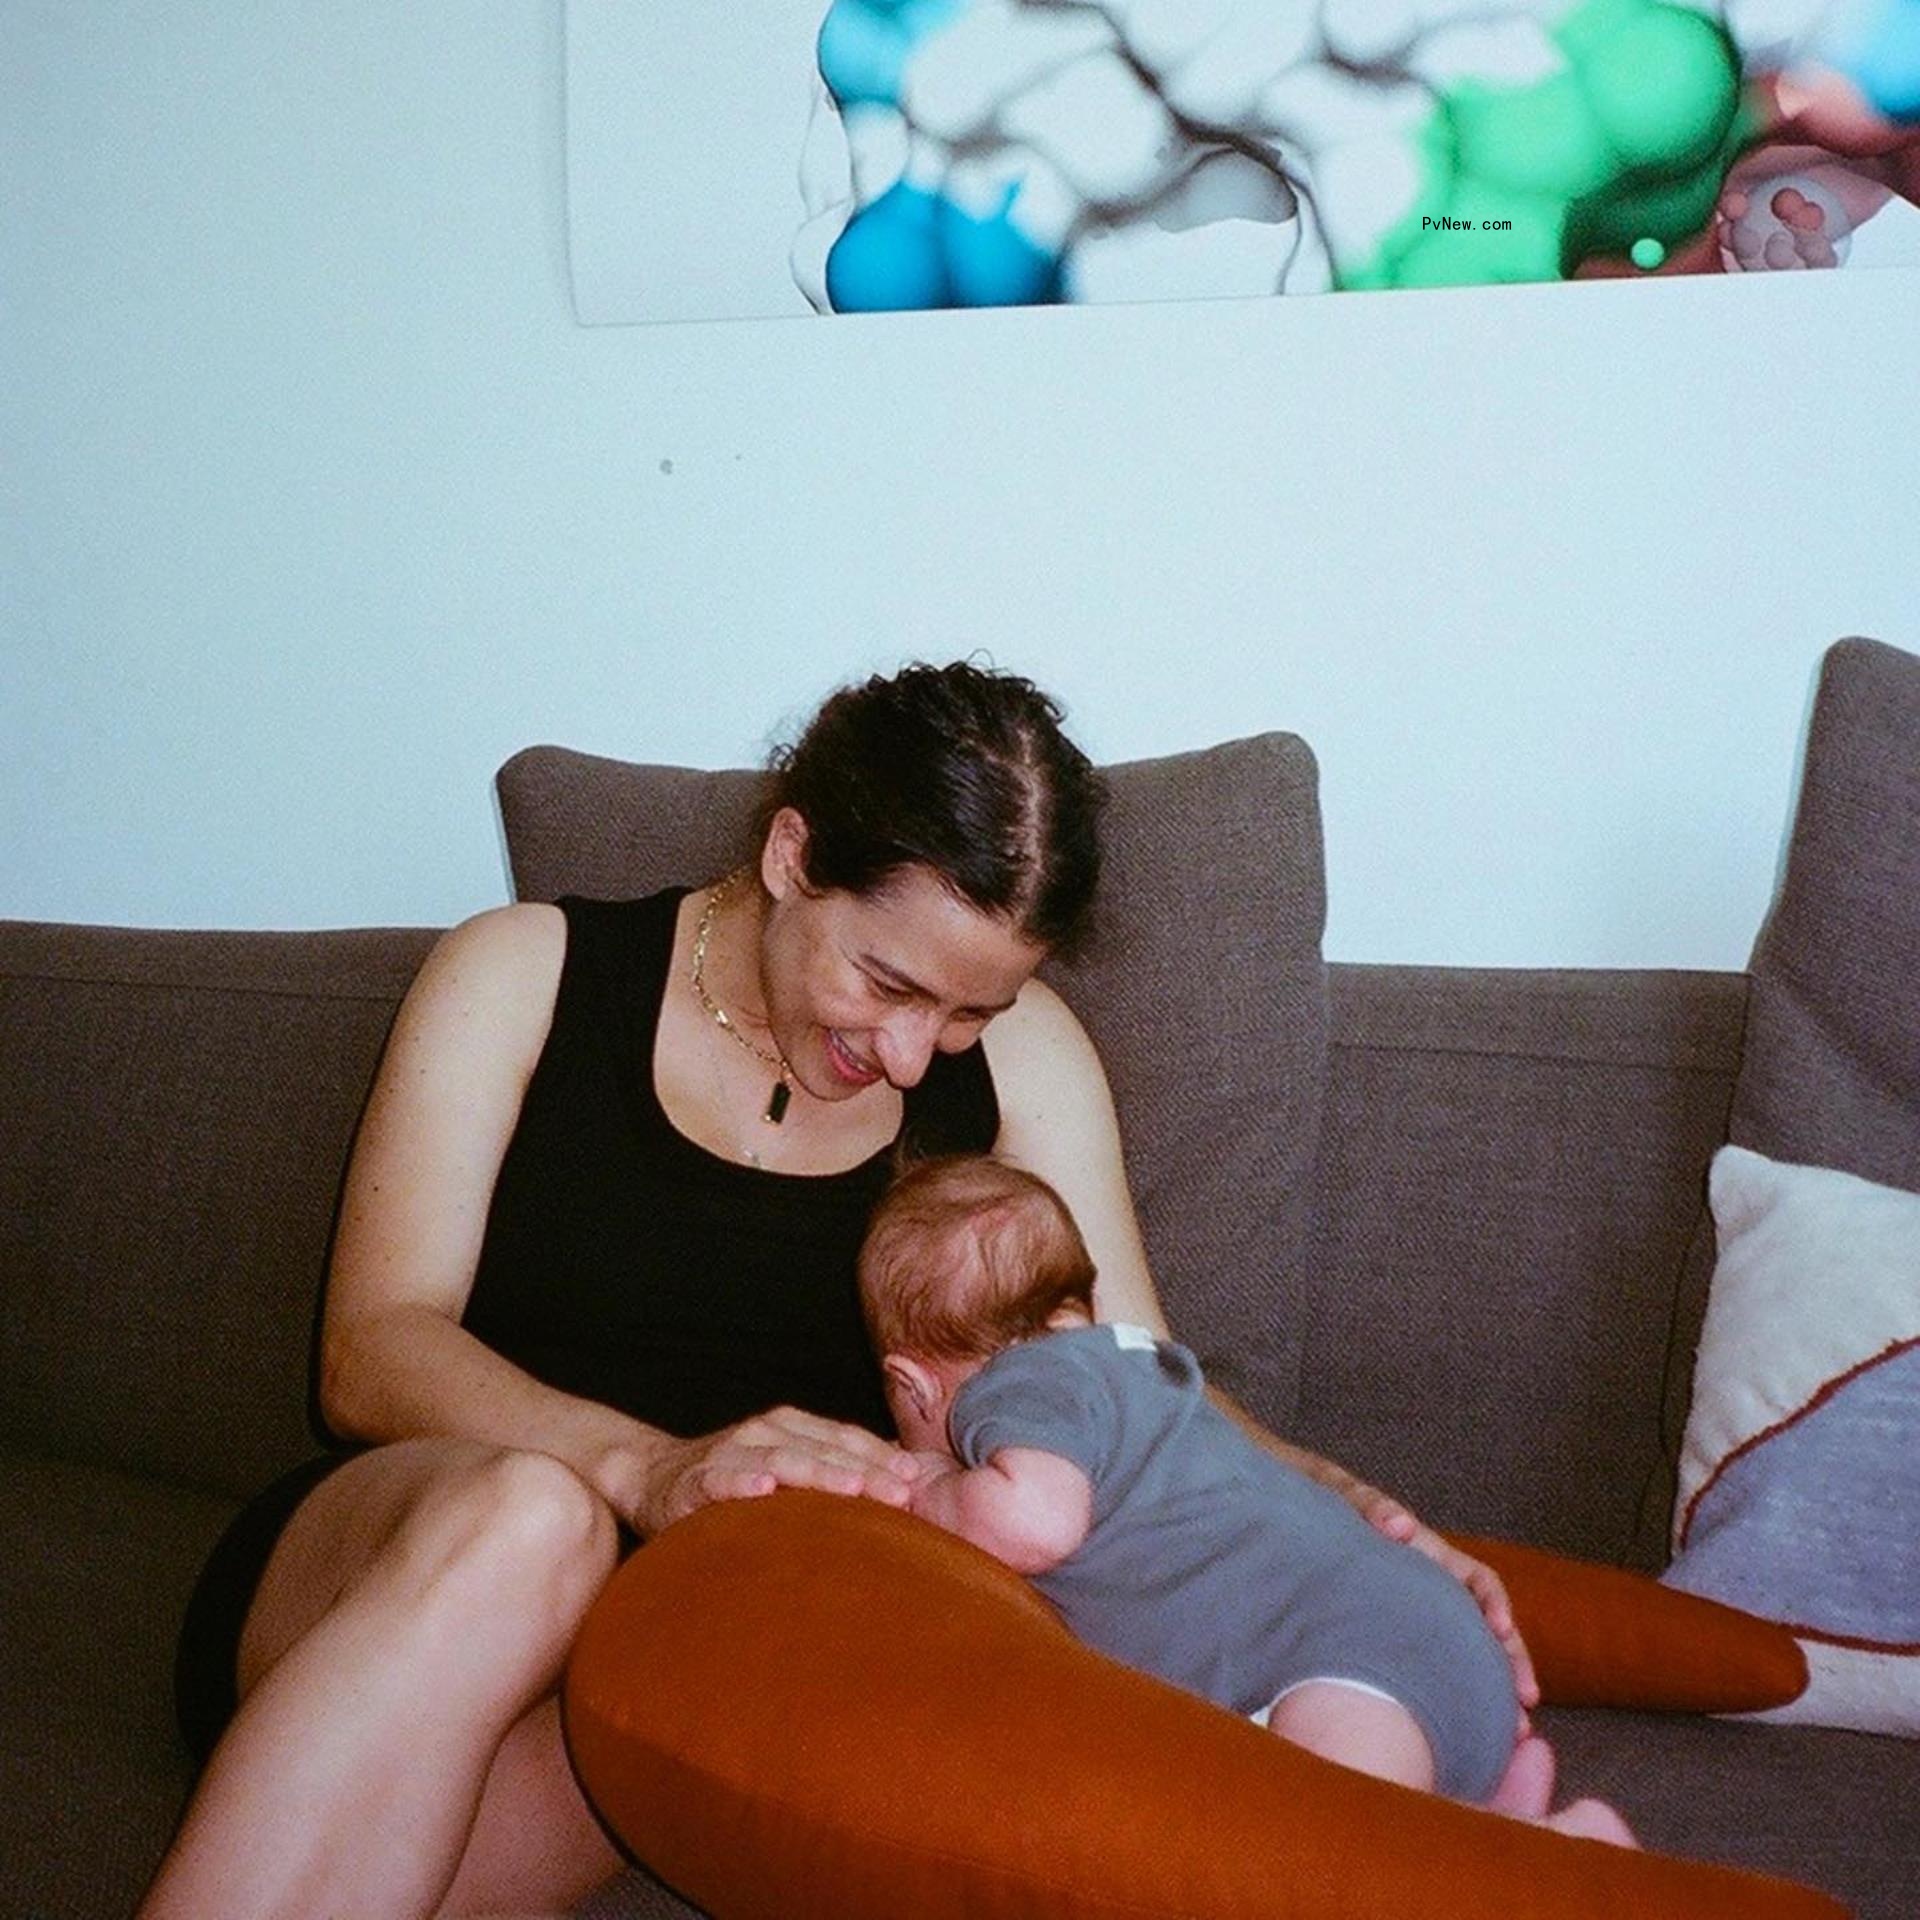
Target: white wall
column 317, row 504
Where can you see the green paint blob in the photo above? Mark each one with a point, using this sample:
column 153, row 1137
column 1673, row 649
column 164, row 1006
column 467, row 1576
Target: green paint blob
column 1663, row 86
column 1622, row 151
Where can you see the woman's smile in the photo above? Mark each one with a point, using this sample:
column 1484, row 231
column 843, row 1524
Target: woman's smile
column 847, row 1064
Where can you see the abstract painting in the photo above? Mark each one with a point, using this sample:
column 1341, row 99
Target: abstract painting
column 886, row 155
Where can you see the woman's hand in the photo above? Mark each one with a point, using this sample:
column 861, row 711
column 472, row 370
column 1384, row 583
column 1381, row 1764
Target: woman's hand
column 1382, row 1511
column 784, row 1448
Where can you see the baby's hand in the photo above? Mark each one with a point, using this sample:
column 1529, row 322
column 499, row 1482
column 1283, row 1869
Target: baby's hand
column 930, row 1468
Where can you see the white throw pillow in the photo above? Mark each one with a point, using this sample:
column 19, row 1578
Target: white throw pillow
column 1799, row 1494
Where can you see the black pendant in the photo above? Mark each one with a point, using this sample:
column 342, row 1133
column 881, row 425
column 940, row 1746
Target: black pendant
column 777, row 1103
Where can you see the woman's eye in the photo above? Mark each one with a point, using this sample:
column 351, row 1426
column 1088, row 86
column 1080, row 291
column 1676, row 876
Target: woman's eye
column 888, row 991
column 962, row 1031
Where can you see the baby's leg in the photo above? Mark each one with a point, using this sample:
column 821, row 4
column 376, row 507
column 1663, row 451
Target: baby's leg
column 1355, row 1726
column 1526, row 1788
column 1592, row 1820
column 1525, row 1793
column 1398, row 1675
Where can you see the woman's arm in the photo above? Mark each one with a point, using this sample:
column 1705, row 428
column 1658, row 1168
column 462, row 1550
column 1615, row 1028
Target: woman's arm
column 395, row 1362
column 1057, row 1120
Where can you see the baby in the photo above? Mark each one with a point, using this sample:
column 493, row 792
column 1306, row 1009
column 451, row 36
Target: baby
column 1089, row 1458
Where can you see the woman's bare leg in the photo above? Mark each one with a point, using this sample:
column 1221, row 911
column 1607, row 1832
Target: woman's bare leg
column 415, row 1615
column 535, row 1845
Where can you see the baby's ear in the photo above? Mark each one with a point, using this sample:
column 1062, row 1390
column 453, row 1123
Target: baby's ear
column 906, row 1375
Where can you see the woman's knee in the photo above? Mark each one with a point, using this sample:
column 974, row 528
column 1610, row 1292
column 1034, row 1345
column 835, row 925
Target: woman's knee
column 443, row 1549
column 509, row 1531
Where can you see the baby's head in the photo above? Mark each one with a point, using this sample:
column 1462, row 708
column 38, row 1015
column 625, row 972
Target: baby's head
column 965, row 1256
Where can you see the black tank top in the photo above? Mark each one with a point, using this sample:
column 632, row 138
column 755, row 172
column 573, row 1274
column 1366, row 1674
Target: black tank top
column 627, row 1264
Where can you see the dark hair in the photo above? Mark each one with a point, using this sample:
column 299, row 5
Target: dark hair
column 965, row 1255
column 960, row 769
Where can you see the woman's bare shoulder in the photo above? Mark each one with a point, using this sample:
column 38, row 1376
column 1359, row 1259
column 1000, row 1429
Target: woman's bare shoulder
column 1046, row 1072
column 1038, row 1034
column 528, row 935
column 1057, row 1120
column 499, row 971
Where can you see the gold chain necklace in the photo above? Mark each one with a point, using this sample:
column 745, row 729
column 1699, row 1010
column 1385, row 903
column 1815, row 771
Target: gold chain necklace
column 782, row 1087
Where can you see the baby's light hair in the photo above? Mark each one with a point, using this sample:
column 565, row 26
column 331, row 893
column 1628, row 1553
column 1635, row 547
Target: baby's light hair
column 966, row 1255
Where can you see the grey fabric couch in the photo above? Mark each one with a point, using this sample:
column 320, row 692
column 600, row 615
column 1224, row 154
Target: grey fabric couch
column 1444, row 1225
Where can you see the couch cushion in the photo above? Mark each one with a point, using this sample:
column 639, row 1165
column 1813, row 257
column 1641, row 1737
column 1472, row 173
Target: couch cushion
column 1831, row 1075
column 1834, row 1810
column 95, row 1569
column 178, row 1112
column 1203, row 989
column 1511, row 1174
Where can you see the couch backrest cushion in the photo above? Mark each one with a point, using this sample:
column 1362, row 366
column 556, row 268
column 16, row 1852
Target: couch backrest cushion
column 1831, row 1076
column 178, row 1112
column 1203, row 988
column 1830, row 1070
column 1513, row 1165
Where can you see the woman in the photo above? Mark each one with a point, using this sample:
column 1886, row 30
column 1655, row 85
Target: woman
column 607, row 1195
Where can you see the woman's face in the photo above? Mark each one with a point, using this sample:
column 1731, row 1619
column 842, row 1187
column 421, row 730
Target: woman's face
column 867, row 987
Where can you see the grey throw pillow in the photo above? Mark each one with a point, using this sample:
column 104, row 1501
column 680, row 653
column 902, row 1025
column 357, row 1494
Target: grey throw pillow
column 1203, row 988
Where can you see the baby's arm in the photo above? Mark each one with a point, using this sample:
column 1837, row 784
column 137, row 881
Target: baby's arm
column 1027, row 1508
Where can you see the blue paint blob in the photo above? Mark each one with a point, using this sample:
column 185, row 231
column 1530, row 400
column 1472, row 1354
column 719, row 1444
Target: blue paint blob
column 1884, row 62
column 914, row 250
column 864, row 45
column 991, row 263
column 889, row 258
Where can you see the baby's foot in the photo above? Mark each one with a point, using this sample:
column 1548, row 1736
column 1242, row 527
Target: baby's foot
column 1592, row 1820
column 1526, row 1788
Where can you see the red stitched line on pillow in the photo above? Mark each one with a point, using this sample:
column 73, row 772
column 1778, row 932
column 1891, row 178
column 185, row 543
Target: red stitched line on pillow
column 1892, row 1648
column 1819, row 1399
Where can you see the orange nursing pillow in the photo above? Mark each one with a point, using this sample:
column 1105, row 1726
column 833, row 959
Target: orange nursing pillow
column 1601, row 1637
column 810, row 1708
